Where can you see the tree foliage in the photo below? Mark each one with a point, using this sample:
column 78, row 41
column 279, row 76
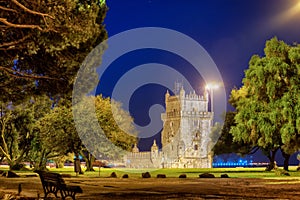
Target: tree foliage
column 43, row 43
column 268, row 103
column 225, row 143
column 17, row 123
column 56, row 133
column 56, row 136
column 111, row 134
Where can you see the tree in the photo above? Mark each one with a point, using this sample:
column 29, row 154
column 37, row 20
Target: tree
column 57, row 134
column 267, row 105
column 119, row 129
column 44, row 42
column 17, row 124
column 117, row 132
column 225, row 143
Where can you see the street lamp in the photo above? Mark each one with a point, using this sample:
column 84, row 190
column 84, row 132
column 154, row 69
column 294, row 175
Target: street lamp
column 211, row 87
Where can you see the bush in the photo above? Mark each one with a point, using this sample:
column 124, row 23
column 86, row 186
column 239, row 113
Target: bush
column 125, row 176
column 206, row 175
column 146, row 175
column 182, row 176
column 161, row 176
column 113, row 175
column 224, row 176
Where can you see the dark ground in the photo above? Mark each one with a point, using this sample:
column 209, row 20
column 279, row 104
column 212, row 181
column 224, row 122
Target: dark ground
column 166, row 188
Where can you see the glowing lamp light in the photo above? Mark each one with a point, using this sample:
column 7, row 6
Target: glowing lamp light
column 211, row 86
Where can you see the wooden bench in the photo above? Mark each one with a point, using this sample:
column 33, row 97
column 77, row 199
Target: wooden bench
column 54, row 182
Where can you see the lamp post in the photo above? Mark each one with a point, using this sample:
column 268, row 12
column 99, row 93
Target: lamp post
column 211, row 87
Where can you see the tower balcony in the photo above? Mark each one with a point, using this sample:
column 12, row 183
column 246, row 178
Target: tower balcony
column 197, row 114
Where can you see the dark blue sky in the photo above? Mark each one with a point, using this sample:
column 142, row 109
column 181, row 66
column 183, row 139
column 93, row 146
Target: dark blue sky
column 231, row 31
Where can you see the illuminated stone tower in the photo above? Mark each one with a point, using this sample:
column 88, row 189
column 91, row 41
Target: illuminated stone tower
column 186, row 127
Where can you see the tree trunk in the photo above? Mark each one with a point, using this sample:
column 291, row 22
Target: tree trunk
column 271, row 157
column 16, row 166
column 60, row 162
column 42, row 162
column 89, row 162
column 286, row 160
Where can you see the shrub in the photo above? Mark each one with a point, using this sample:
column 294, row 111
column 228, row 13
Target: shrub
column 206, row 175
column 182, row 176
column 146, row 175
column 125, row 176
column 224, row 176
column 161, row 176
column 113, row 175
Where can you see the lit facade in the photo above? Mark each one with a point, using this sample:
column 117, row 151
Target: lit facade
column 185, row 135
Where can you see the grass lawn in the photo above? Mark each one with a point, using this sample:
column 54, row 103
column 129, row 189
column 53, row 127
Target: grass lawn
column 174, row 173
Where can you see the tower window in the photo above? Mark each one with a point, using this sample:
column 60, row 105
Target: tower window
column 196, row 147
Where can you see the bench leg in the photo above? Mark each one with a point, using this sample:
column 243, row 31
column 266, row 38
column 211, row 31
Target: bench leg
column 67, row 193
column 50, row 189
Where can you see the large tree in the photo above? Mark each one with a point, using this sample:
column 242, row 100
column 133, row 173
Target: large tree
column 225, row 143
column 56, row 133
column 55, row 136
column 43, row 43
column 17, row 123
column 268, row 103
column 108, row 134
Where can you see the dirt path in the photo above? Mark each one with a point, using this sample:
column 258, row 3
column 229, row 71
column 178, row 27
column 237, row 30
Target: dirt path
column 167, row 188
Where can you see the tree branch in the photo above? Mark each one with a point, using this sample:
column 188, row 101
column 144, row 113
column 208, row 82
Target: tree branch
column 30, row 26
column 31, row 11
column 15, row 42
column 8, row 9
column 5, row 150
column 17, row 74
column 20, row 156
column 5, row 154
column 53, row 156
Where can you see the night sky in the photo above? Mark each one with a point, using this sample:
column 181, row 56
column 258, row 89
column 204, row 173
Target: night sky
column 231, row 31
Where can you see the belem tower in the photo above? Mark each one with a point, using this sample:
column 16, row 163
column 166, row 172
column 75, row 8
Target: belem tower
column 185, row 135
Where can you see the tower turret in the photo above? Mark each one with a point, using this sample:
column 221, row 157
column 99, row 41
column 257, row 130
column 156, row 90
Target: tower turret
column 154, row 150
column 135, row 149
column 182, row 92
column 154, row 147
column 167, row 95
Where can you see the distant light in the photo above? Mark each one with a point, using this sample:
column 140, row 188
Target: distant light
column 211, row 86
column 287, row 15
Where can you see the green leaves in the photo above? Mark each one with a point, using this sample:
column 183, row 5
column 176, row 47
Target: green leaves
column 268, row 103
column 18, row 126
column 44, row 44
